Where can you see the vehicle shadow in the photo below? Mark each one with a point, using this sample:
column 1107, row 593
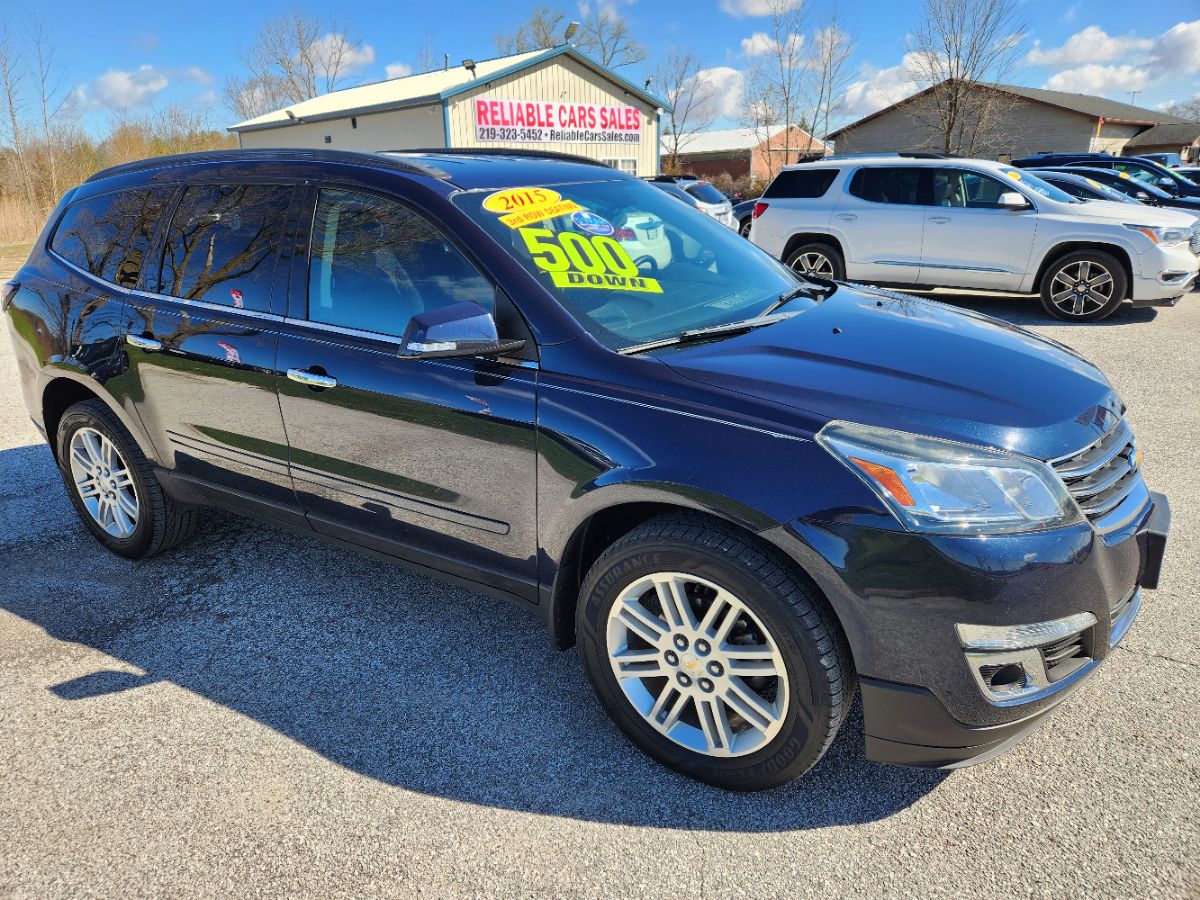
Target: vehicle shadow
column 1028, row 310
column 390, row 674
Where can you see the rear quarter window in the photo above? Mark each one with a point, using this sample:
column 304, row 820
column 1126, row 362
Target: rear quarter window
column 804, row 184
column 109, row 235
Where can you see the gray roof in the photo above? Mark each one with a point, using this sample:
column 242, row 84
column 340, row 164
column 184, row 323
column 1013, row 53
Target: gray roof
column 1166, row 135
column 1091, row 106
column 1084, row 104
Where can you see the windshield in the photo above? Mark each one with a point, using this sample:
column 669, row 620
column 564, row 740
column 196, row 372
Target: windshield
column 1038, row 186
column 704, row 192
column 631, row 264
column 1130, row 184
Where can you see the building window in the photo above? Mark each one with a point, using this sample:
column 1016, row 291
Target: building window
column 628, row 166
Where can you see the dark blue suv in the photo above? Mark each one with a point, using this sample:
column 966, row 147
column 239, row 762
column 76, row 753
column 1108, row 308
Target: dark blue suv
column 743, row 494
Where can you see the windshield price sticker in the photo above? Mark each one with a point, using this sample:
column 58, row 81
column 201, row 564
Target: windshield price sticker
column 586, row 261
column 523, row 206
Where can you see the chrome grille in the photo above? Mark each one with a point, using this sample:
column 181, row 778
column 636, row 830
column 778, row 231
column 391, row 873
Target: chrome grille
column 1103, row 474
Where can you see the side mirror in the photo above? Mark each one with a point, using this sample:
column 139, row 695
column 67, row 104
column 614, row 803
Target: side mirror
column 1012, row 200
column 1168, row 185
column 460, row 329
column 1142, row 196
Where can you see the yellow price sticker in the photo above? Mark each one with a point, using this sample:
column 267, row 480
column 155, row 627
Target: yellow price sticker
column 523, row 206
column 586, row 261
column 1015, row 176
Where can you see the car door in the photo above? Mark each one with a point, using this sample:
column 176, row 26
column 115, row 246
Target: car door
column 431, row 460
column 879, row 220
column 202, row 339
column 970, row 240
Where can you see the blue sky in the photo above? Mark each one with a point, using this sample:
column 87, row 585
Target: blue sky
column 140, row 55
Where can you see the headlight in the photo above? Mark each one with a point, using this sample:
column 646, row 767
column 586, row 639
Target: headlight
column 1167, row 236
column 945, row 487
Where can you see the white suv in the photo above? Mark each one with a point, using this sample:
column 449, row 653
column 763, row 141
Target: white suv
column 912, row 220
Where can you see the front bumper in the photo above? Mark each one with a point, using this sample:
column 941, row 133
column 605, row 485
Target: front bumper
column 1166, row 275
column 921, row 703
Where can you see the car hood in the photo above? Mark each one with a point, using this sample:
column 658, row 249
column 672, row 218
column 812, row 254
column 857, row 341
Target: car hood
column 916, row 365
column 1111, row 210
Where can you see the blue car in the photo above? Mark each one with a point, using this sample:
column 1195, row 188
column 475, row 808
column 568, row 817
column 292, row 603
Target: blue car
column 746, row 496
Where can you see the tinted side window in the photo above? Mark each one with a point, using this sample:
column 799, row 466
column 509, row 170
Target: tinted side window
column 887, row 185
column 374, row 264
column 222, row 244
column 801, row 183
column 109, row 235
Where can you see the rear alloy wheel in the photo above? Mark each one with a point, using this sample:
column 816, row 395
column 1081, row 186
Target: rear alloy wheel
column 104, row 482
column 1084, row 286
column 744, row 227
column 712, row 654
column 818, row 260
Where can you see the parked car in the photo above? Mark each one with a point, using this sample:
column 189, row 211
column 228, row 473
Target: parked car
column 1082, row 187
column 699, row 194
column 1135, row 167
column 1170, row 160
column 974, row 224
column 1124, row 183
column 1191, row 173
column 744, row 494
column 743, row 214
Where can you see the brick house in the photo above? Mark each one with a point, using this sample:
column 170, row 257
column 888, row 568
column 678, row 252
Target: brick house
column 739, row 152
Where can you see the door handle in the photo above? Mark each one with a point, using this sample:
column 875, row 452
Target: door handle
column 312, row 379
column 939, row 220
column 148, row 344
column 846, row 217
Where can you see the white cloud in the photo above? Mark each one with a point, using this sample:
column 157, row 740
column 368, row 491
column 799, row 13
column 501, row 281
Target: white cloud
column 196, row 75
column 1089, row 46
column 334, row 51
column 208, row 98
column 724, row 89
column 124, row 90
column 742, row 8
column 398, row 70
column 877, row 88
column 1095, row 62
column 1177, row 50
column 1098, row 79
column 760, row 43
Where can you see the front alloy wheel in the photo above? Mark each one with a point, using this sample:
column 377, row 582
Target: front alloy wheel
column 712, row 653
column 104, row 483
column 1084, row 286
column 697, row 664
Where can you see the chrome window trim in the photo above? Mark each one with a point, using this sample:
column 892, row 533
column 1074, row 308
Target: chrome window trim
column 203, row 304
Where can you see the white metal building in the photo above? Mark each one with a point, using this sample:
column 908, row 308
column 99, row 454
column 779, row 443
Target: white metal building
column 555, row 99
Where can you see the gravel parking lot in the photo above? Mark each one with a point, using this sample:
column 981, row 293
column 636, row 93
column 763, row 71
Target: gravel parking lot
column 258, row 714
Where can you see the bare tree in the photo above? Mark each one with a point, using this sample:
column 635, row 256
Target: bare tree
column 12, row 98
column 1185, row 109
column 959, row 48
column 294, row 58
column 679, row 81
column 544, row 28
column 50, row 99
column 776, row 91
column 829, row 74
column 427, row 55
column 605, row 35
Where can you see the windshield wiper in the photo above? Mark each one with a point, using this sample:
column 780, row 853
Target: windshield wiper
column 712, row 331
column 804, row 290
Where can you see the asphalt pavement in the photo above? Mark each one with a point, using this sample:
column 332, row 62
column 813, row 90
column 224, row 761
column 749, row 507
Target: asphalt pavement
column 257, row 714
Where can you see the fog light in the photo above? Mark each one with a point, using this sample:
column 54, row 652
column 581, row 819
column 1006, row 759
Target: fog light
column 1008, row 677
column 1010, row 664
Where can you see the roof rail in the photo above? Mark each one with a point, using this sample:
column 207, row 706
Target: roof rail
column 499, row 151
column 904, row 154
column 299, row 155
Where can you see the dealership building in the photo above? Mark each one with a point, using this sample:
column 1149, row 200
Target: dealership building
column 556, row 99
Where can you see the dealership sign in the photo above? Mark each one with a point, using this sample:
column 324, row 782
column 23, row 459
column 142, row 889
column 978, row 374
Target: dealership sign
column 545, row 121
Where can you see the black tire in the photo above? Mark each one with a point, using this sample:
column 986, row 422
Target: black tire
column 161, row 522
column 821, row 679
column 1070, row 269
column 799, row 258
column 744, row 227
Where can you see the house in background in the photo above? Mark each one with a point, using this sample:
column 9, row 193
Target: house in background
column 742, row 152
column 1182, row 138
column 1023, row 121
column 557, row 99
